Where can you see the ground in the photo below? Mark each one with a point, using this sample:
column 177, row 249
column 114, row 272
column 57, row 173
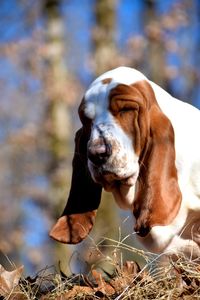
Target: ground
column 178, row 279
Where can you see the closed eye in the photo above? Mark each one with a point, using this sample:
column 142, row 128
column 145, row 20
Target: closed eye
column 122, row 107
column 126, row 109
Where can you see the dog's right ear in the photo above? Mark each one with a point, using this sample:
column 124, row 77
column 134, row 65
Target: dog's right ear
column 84, row 198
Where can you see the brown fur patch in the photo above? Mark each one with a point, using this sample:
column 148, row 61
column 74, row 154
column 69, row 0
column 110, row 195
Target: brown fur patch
column 158, row 196
column 106, row 80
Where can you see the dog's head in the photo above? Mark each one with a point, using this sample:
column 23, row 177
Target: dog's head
column 110, row 111
column 126, row 146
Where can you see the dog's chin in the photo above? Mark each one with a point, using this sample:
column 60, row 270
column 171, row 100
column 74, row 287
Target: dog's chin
column 127, row 183
column 111, row 181
column 122, row 187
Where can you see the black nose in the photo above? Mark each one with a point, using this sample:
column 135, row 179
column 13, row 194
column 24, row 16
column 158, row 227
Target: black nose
column 99, row 151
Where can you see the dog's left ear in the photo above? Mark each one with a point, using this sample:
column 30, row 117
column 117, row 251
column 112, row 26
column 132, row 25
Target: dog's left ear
column 158, row 196
column 84, row 198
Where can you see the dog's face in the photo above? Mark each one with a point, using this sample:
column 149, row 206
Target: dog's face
column 110, row 112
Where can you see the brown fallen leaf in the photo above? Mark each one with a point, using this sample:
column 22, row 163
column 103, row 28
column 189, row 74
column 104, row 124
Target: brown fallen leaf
column 102, row 285
column 126, row 276
column 77, row 292
column 9, row 280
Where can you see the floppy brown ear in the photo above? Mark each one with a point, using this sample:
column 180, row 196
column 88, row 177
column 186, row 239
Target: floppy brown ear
column 158, row 197
column 84, row 198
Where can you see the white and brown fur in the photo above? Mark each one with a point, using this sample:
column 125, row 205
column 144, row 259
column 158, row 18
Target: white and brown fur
column 142, row 145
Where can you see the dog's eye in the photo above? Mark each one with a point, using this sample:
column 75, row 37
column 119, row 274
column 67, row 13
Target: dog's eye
column 125, row 110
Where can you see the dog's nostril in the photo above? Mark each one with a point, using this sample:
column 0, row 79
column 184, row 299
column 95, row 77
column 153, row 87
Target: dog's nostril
column 99, row 153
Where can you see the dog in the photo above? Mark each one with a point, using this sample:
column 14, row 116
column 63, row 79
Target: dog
column 142, row 145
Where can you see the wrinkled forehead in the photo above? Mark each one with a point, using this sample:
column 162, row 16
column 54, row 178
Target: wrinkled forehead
column 97, row 96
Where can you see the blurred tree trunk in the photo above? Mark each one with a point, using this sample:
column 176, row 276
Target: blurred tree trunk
column 155, row 47
column 104, row 52
column 103, row 35
column 57, row 113
column 55, row 78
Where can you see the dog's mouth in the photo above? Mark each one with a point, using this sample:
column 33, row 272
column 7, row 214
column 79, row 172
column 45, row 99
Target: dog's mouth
column 128, row 180
column 112, row 181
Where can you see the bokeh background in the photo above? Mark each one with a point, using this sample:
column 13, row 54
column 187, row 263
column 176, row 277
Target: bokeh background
column 50, row 50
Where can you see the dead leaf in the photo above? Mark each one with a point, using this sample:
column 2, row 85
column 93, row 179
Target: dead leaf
column 77, row 292
column 9, row 280
column 103, row 286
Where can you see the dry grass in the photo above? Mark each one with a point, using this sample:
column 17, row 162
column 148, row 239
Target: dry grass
column 174, row 279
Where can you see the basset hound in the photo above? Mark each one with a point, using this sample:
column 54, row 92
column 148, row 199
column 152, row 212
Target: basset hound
column 142, row 145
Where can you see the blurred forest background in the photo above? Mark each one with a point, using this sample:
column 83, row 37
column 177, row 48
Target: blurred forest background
column 50, row 50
